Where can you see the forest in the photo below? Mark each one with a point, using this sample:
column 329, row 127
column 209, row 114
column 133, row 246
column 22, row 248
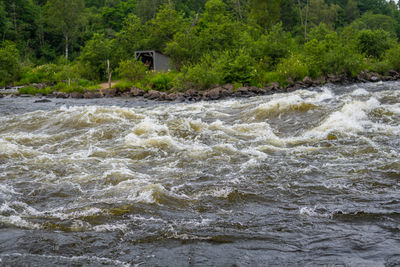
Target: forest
column 67, row 43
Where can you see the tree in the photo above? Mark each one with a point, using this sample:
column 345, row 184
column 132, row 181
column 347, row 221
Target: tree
column 10, row 62
column 265, row 12
column 162, row 29
column 95, row 54
column 66, row 17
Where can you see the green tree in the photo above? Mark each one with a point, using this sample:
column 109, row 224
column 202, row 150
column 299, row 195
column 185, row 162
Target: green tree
column 66, row 17
column 10, row 62
column 374, row 43
column 265, row 12
column 95, row 54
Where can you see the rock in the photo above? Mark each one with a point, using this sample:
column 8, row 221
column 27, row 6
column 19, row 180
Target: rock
column 319, row 81
column 191, row 93
column 308, row 81
column 256, row 90
column 152, row 95
column 336, row 79
column 109, row 92
column 394, row 74
column 1, row 96
column 242, row 91
column 91, row 94
column 374, row 78
column 42, row 101
column 213, row 94
column 137, row 92
column 163, row 96
column 229, row 87
column 61, row 95
column 76, row 95
column 387, row 78
column 25, row 95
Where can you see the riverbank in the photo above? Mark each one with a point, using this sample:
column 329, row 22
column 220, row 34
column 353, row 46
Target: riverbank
column 217, row 92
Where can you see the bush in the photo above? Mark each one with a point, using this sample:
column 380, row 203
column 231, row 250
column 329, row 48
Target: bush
column 10, row 63
column 30, row 90
column 199, row 76
column 236, row 67
column 293, row 67
column 123, row 85
column 392, row 56
column 133, row 70
column 373, row 43
column 162, row 81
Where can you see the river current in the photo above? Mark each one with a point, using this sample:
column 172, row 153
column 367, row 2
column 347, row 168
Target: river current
column 304, row 178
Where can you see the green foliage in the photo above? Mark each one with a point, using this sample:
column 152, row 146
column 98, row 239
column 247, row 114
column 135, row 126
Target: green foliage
column 68, row 87
column 162, row 81
column 199, row 76
column 123, row 85
column 392, row 56
column 373, row 43
column 293, row 68
column 133, row 70
column 10, row 62
column 95, row 54
column 236, row 66
column 30, row 90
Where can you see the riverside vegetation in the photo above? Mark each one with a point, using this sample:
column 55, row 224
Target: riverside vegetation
column 60, row 48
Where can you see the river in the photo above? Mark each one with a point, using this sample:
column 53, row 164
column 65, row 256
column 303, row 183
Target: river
column 304, row 178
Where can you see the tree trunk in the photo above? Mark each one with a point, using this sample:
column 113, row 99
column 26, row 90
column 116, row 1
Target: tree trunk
column 66, row 47
column 108, row 74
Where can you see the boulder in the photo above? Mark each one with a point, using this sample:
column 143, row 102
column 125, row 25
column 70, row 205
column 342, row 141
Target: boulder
column 109, row 92
column 394, row 74
column 308, row 81
column 137, row 92
column 229, row 87
column 42, row 100
column 256, row 90
column 152, row 95
column 213, row 94
column 76, row 95
column 61, row 95
column 91, row 94
column 1, row 96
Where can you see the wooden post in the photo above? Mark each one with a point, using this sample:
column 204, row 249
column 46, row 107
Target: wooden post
column 108, row 74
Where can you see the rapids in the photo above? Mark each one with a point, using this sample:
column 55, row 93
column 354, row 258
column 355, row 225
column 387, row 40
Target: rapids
column 304, row 178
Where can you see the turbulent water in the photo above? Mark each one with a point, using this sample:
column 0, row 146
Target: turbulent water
column 304, row 178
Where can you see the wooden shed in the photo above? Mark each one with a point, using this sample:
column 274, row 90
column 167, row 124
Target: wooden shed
column 155, row 60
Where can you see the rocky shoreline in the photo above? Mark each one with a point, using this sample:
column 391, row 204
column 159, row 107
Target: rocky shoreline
column 219, row 91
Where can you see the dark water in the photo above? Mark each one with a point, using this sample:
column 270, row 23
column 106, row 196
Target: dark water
column 300, row 179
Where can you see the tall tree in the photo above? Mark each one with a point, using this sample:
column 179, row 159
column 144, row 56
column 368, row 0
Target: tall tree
column 66, row 17
column 265, row 12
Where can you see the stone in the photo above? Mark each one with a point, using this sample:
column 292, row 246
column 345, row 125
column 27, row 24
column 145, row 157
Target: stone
column 61, row 95
column 137, row 92
column 152, row 95
column 90, row 94
column 308, row 81
column 109, row 92
column 76, row 95
column 42, row 100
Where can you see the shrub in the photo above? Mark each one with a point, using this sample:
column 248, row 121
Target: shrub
column 373, row 43
column 392, row 56
column 293, row 67
column 30, row 90
column 236, row 66
column 10, row 62
column 133, row 70
column 162, row 81
column 123, row 85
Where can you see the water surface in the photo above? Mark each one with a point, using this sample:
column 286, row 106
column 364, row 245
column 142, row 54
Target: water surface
column 304, row 178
